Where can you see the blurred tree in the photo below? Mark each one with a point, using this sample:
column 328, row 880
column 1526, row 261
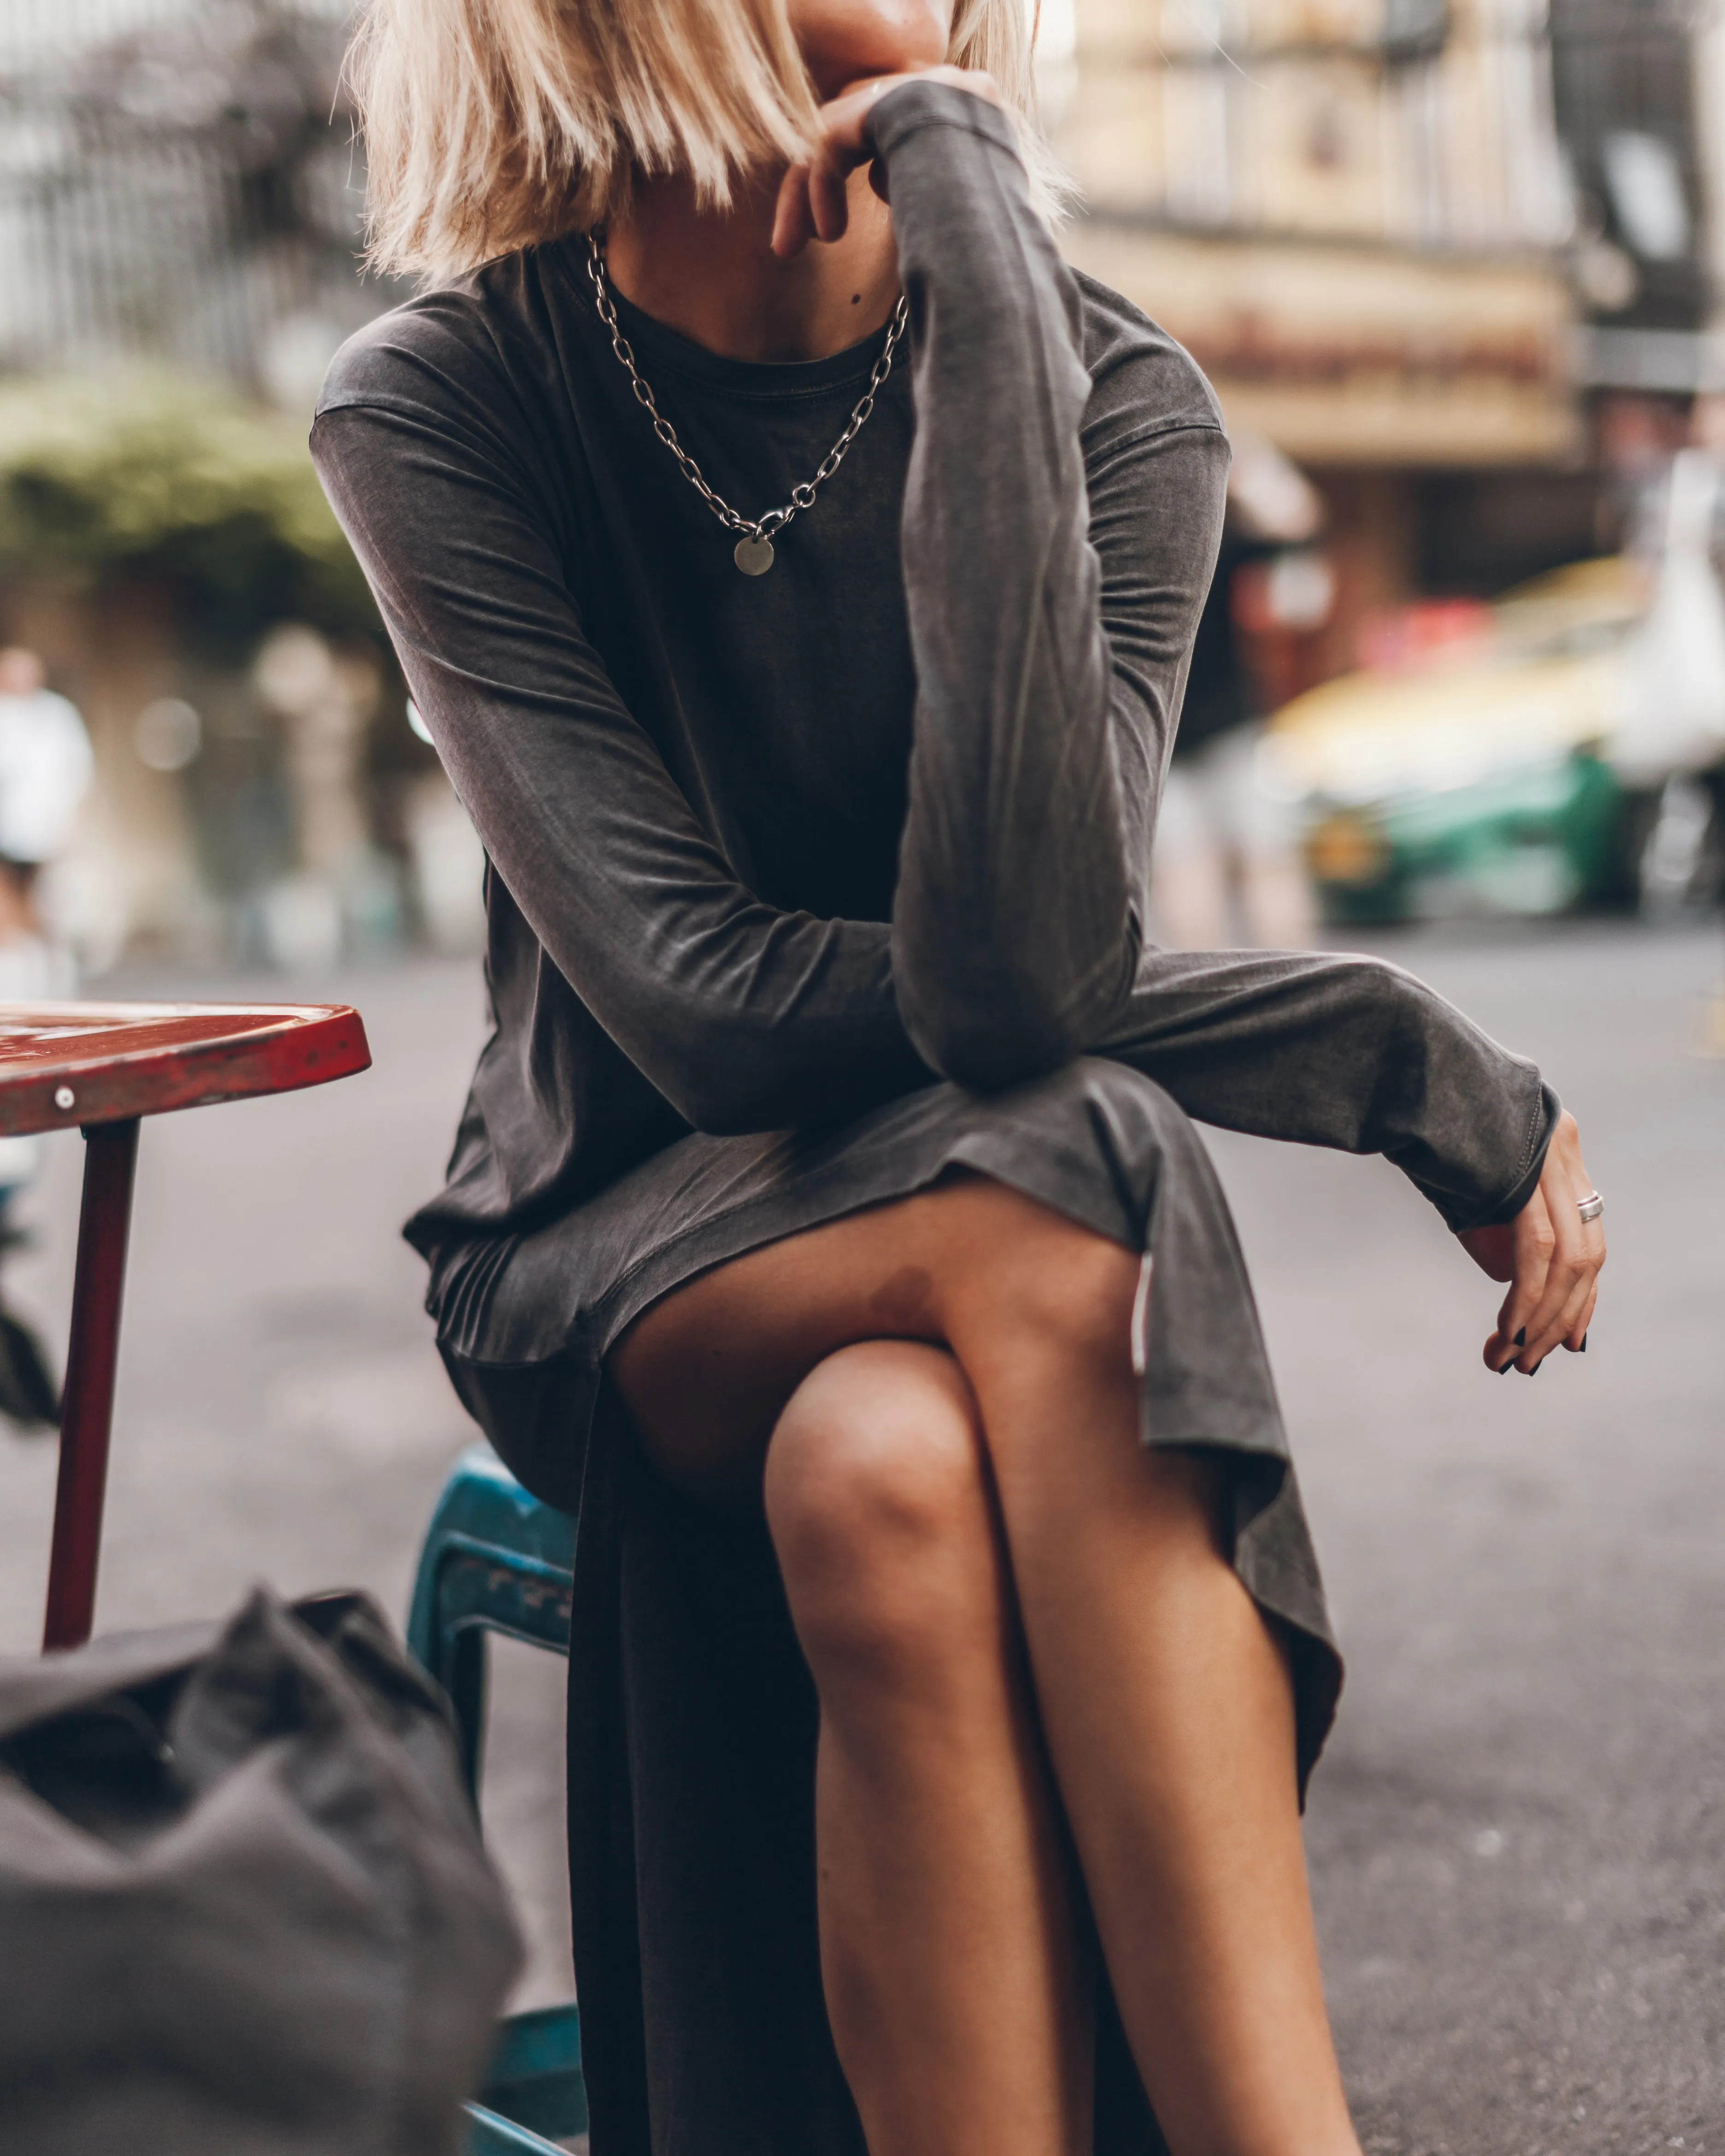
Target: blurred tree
column 163, row 478
column 181, row 196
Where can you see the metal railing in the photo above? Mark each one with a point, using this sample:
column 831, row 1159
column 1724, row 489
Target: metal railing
column 179, row 181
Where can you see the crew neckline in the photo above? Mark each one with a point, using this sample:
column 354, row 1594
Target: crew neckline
column 663, row 350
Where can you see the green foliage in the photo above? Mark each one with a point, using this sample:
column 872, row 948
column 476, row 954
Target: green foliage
column 160, row 476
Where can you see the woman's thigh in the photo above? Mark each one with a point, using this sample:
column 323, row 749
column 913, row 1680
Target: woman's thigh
column 706, row 1372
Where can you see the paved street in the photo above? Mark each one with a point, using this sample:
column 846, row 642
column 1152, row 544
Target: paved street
column 1518, row 1834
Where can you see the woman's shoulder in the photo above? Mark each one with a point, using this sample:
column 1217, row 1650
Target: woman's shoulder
column 1139, row 371
column 480, row 343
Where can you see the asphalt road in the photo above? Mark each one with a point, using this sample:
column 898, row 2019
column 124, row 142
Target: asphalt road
column 1518, row 1835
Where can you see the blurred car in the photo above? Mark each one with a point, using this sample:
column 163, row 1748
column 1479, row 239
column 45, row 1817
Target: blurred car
column 1461, row 772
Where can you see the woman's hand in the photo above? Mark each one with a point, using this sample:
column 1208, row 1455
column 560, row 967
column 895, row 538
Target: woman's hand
column 812, row 201
column 1550, row 1256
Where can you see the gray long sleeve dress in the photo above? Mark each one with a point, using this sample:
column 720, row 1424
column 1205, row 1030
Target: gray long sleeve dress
column 803, row 889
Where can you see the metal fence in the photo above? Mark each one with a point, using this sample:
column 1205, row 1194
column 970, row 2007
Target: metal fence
column 179, row 180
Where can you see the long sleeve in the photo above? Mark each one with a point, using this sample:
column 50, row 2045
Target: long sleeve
column 1328, row 1049
column 1048, row 678
column 1058, row 546
column 743, row 1016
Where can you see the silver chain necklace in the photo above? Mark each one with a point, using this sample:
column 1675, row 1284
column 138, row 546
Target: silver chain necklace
column 753, row 551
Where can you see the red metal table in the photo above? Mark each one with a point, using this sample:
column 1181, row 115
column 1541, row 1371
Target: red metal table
column 100, row 1068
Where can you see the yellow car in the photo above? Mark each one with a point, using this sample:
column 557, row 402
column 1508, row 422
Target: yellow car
column 1472, row 781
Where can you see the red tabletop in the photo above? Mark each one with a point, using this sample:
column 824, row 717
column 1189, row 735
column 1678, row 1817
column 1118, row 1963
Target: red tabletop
column 67, row 1064
column 100, row 1068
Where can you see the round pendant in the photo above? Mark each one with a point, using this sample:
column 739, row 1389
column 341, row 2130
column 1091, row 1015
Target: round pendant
column 754, row 557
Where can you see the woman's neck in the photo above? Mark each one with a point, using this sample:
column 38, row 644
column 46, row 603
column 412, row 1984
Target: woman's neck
column 712, row 275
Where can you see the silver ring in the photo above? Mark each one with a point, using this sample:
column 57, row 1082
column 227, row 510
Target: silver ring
column 1591, row 1206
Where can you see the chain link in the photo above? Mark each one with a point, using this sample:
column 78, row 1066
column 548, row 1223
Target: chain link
column 774, row 521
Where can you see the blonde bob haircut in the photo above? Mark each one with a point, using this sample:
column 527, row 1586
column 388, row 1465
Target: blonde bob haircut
column 492, row 125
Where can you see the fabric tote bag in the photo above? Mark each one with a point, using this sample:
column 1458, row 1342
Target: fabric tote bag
column 244, row 1910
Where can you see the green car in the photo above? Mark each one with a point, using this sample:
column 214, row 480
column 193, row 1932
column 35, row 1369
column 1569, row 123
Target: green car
column 1471, row 782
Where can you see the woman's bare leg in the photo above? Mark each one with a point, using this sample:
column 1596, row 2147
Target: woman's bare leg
column 1163, row 1698
column 946, row 1919
column 1167, row 1708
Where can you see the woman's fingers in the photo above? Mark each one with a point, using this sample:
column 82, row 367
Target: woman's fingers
column 1568, row 1275
column 814, row 198
column 792, row 225
column 1579, row 1314
column 1557, row 1257
column 1578, row 1185
column 1570, row 1329
column 1575, row 1340
column 829, row 197
column 1525, row 1337
column 813, row 202
column 1533, row 1247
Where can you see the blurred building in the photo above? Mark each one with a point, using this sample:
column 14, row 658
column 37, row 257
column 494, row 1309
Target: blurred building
column 1410, row 243
column 178, row 182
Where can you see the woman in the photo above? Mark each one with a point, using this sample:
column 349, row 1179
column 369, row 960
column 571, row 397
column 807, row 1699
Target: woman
column 801, row 1224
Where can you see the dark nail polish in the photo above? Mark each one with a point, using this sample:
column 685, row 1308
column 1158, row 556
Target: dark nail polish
column 1504, row 1368
column 1537, row 1367
column 1521, row 1338
column 1583, row 1344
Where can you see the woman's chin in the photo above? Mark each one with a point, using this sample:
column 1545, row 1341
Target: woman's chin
column 847, row 41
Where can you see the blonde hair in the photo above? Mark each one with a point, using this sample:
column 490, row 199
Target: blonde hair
column 491, row 124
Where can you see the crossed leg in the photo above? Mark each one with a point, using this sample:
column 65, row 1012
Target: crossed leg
column 1021, row 1624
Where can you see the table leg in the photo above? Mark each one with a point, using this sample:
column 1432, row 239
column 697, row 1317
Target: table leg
column 110, row 1154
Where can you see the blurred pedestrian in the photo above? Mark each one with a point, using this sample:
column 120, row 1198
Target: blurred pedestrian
column 45, row 767
column 1227, row 867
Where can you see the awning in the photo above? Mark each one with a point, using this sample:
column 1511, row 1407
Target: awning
column 1358, row 354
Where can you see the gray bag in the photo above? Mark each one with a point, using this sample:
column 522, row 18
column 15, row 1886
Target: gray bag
column 244, row 1910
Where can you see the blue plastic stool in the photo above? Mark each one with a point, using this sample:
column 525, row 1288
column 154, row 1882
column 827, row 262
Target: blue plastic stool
column 495, row 1560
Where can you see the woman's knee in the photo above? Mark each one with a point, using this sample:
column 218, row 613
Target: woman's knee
column 878, row 1504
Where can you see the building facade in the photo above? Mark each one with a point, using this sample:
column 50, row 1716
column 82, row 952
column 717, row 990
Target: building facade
column 1389, row 230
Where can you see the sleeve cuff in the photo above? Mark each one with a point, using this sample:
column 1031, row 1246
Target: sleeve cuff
column 1539, row 1136
column 909, row 107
